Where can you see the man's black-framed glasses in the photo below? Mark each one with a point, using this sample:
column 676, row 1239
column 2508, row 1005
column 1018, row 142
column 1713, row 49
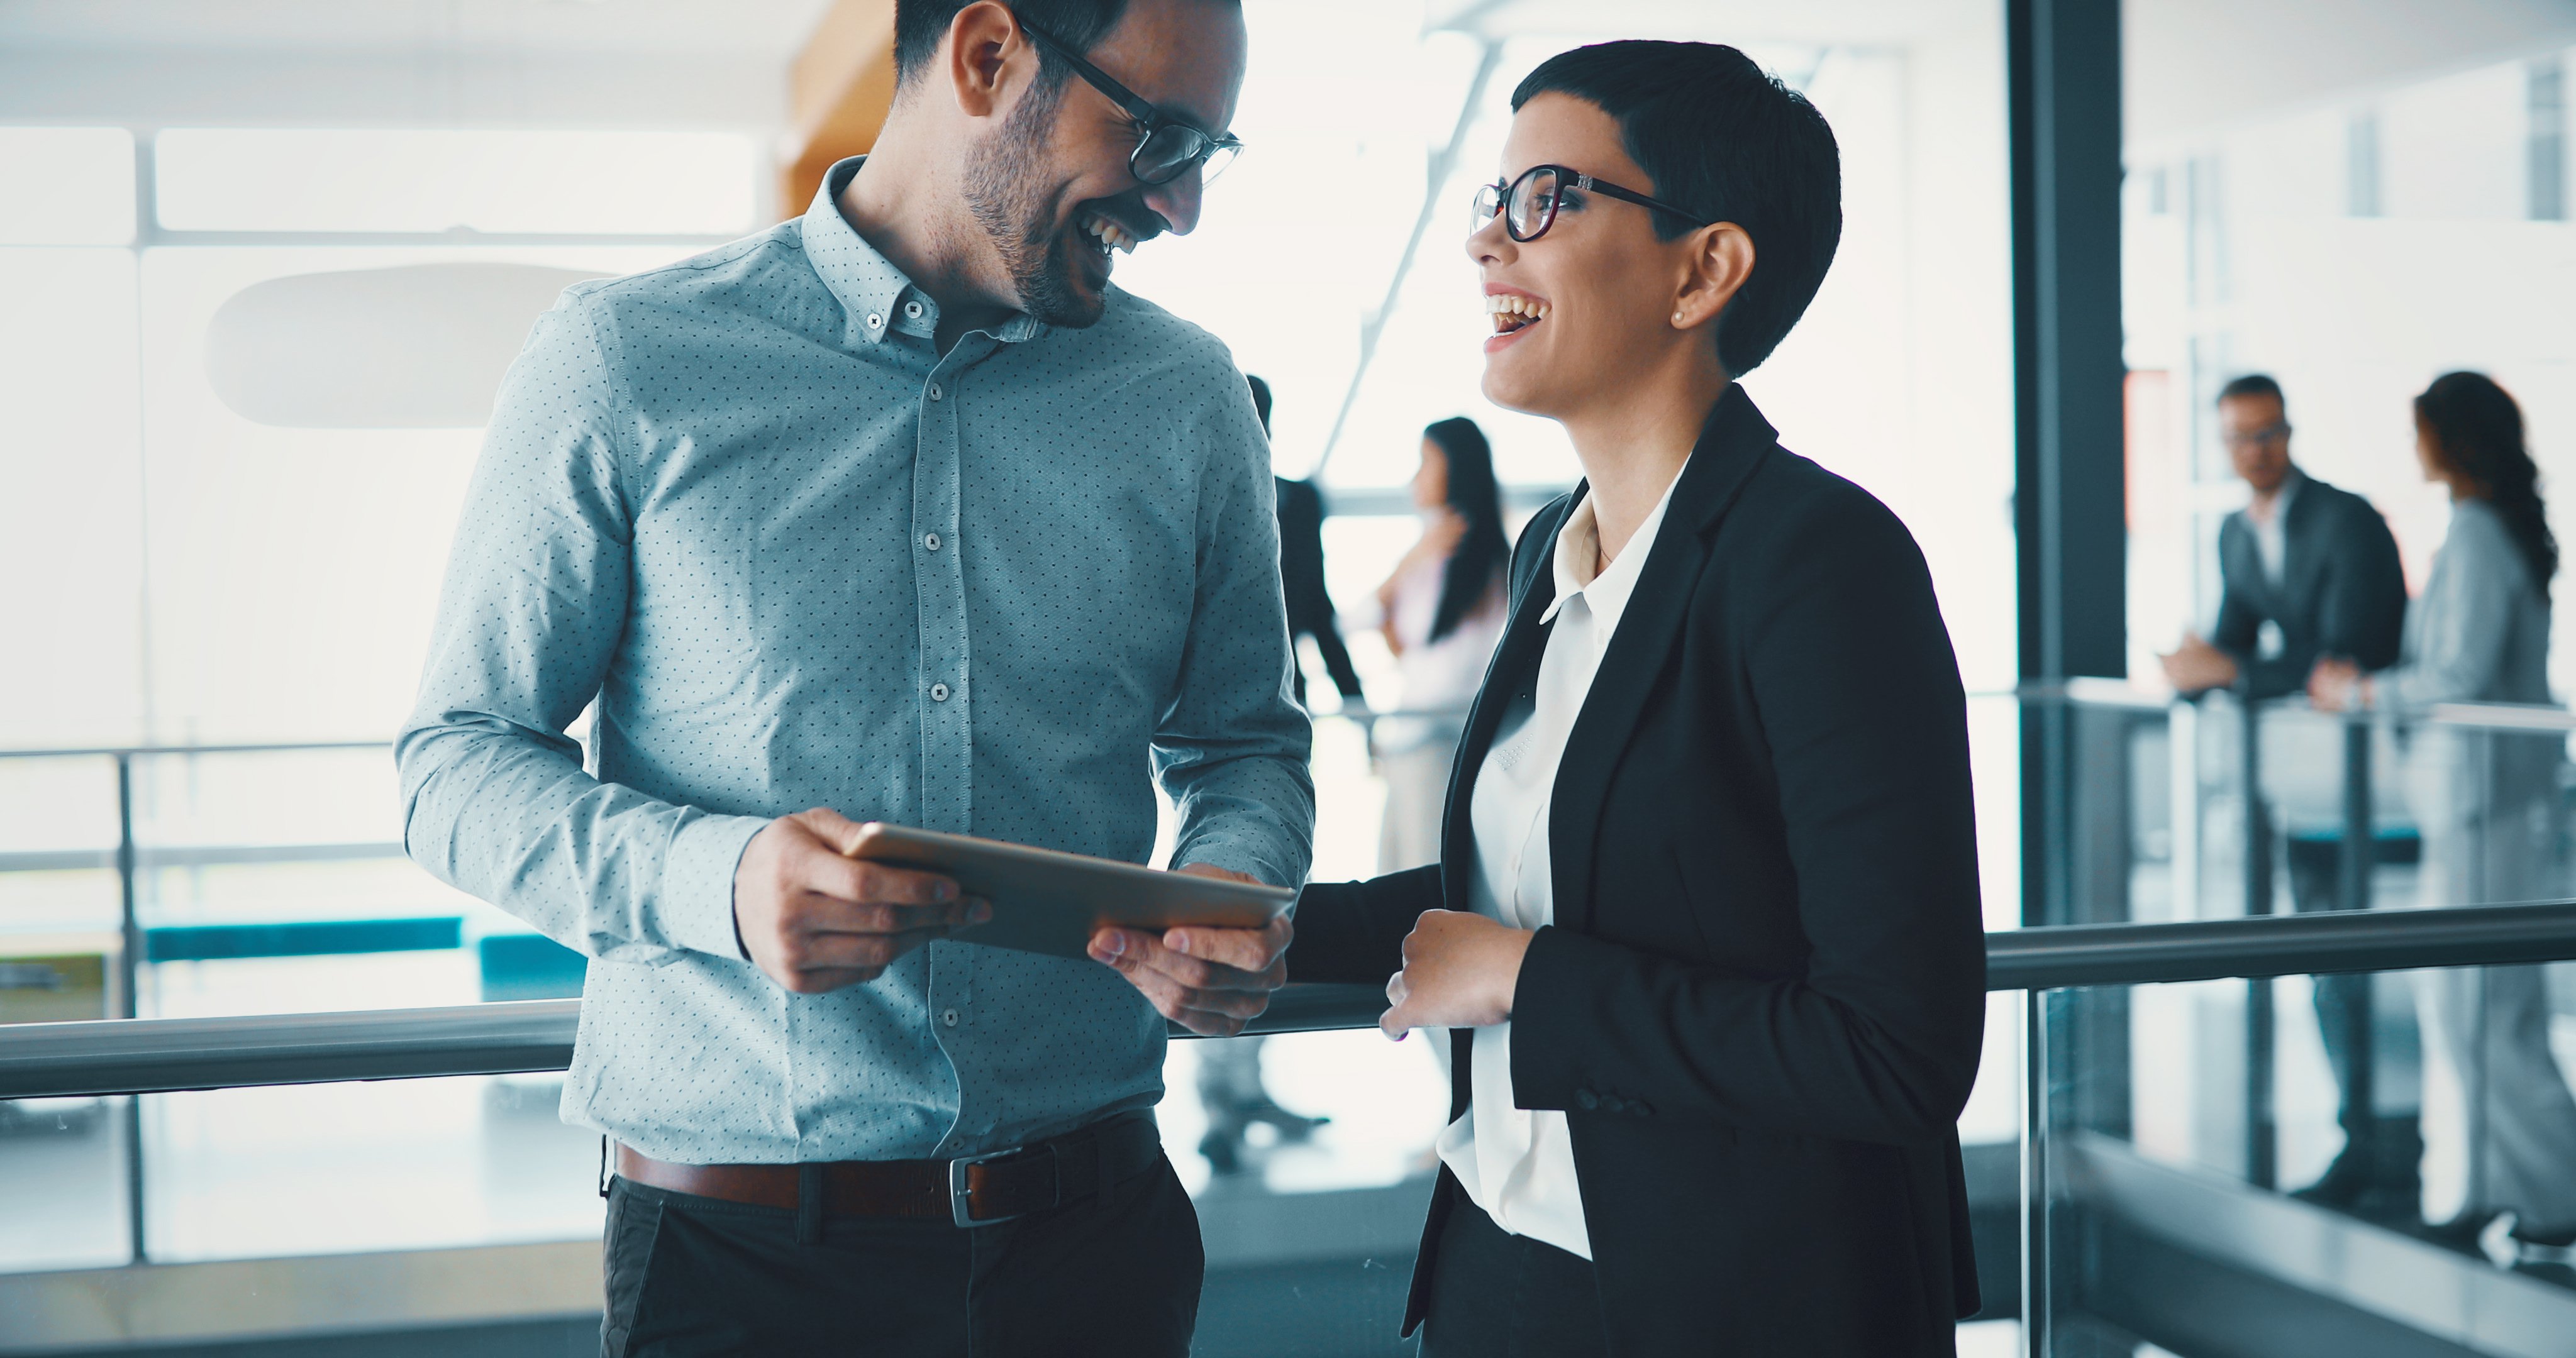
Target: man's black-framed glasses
column 1528, row 204
column 1166, row 146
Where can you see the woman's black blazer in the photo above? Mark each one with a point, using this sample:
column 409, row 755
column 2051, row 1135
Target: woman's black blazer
column 1761, row 1003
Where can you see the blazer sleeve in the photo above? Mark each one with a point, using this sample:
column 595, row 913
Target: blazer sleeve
column 2363, row 615
column 2467, row 618
column 1352, row 933
column 1859, row 702
column 2240, row 622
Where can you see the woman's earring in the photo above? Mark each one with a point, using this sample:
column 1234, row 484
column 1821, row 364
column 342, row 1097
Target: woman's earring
column 1677, row 318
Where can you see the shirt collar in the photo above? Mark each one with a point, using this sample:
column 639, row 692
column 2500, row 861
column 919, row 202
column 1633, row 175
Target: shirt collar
column 877, row 296
column 1578, row 545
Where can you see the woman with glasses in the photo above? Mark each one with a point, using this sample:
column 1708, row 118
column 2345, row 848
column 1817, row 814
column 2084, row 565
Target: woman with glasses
column 1705, row 927
column 2487, row 805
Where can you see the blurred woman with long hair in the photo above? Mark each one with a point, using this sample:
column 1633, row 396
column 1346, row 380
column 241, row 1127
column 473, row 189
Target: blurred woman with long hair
column 1442, row 612
column 2485, row 800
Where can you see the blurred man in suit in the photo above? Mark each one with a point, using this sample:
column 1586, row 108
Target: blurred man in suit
column 2310, row 573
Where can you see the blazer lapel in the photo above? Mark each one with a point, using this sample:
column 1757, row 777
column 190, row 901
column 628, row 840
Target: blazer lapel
column 1512, row 671
column 1734, row 442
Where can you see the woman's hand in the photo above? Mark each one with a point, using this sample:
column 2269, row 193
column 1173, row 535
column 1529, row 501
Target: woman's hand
column 1459, row 972
column 2337, row 685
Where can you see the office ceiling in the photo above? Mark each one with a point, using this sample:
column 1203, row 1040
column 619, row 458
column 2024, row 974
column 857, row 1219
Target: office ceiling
column 2192, row 64
column 773, row 28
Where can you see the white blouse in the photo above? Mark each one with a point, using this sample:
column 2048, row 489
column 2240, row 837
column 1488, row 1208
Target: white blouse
column 1517, row 1164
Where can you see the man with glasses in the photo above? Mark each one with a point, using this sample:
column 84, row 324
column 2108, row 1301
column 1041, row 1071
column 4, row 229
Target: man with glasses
column 2309, row 572
column 897, row 511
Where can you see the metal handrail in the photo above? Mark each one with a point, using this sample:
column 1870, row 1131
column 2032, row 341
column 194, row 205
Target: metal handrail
column 129, row 1056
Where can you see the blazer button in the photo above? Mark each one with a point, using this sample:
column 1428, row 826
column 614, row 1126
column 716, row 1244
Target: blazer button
column 1641, row 1108
column 1612, row 1103
column 1585, row 1098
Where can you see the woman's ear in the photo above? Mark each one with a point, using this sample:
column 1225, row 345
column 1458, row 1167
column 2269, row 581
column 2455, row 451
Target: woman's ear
column 1720, row 259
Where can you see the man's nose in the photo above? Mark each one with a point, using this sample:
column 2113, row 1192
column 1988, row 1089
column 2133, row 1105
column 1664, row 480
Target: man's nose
column 1178, row 201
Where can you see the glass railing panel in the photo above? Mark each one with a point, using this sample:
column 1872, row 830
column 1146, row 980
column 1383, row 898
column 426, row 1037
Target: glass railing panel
column 2230, row 1160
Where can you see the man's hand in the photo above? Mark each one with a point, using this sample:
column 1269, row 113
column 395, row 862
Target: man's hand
column 1460, row 971
column 2338, row 685
column 814, row 919
column 1210, row 981
column 2197, row 667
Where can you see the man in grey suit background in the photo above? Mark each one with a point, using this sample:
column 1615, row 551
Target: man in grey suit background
column 2310, row 572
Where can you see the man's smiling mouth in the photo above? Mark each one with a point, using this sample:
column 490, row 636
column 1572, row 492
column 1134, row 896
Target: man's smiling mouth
column 1512, row 312
column 1107, row 235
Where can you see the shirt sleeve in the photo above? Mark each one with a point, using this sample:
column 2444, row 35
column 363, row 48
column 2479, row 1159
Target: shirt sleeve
column 496, row 801
column 1231, row 749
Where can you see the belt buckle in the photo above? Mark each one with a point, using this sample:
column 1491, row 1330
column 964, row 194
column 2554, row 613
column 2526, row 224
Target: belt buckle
column 960, row 1196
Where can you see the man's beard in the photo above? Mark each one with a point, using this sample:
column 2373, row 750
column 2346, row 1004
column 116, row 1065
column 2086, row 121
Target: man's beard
column 1004, row 191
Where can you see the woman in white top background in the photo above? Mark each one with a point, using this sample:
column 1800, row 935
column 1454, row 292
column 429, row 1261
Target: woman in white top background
column 1441, row 611
column 1704, row 924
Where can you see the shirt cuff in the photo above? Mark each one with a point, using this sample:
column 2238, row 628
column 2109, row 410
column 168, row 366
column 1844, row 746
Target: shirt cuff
column 694, row 908
column 1233, row 857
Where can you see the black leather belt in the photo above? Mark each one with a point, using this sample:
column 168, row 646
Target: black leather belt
column 976, row 1191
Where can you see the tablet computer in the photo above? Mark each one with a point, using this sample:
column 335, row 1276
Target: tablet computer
column 1050, row 902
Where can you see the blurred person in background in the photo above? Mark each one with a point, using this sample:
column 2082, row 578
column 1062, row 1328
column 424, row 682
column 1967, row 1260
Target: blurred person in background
column 2486, row 802
column 1232, row 1092
column 1301, row 576
column 1441, row 612
column 1705, row 926
column 816, row 519
column 2310, row 572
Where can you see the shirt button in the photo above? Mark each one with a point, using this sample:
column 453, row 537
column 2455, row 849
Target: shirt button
column 931, row 541
column 949, row 1017
column 875, row 321
column 912, row 309
column 939, row 693
column 934, row 391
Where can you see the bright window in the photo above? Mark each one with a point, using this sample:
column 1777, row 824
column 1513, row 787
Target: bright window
column 66, row 186
column 645, row 183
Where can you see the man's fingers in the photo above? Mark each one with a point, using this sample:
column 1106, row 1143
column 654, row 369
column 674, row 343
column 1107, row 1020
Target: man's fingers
column 1394, row 1022
column 1250, row 950
column 871, row 951
column 1148, row 950
column 851, row 879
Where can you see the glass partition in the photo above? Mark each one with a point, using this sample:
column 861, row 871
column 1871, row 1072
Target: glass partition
column 2209, row 1191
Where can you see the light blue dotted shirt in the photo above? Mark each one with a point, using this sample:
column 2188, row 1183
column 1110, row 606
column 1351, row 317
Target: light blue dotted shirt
column 799, row 558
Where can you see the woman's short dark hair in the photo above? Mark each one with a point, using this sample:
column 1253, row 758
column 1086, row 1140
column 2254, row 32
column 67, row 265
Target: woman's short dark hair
column 1719, row 137
column 2476, row 430
column 1476, row 565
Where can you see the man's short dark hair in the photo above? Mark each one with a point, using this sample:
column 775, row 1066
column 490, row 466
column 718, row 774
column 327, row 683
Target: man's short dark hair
column 919, row 25
column 1719, row 137
column 2253, row 384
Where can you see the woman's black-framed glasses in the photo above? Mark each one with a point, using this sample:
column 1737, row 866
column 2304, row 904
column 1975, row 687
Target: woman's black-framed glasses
column 1166, row 146
column 1528, row 204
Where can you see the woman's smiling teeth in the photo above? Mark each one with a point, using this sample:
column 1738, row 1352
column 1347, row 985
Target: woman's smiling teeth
column 1110, row 234
column 1510, row 311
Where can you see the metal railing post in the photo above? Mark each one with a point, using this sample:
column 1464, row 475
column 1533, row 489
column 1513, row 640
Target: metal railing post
column 129, row 974
column 2036, row 1108
column 2358, row 860
column 2261, row 1159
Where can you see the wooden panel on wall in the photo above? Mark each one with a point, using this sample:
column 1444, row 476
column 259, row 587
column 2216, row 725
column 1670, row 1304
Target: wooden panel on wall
column 839, row 88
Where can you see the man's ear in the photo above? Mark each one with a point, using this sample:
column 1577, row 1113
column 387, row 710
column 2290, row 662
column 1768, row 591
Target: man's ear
column 987, row 60
column 1719, row 262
